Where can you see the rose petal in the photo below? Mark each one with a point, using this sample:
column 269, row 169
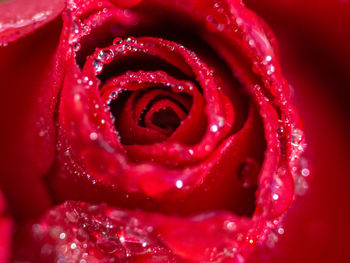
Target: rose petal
column 29, row 66
column 18, row 18
column 76, row 231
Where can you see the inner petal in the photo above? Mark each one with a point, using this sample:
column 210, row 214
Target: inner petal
column 165, row 116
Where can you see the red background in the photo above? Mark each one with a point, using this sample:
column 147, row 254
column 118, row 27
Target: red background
column 314, row 41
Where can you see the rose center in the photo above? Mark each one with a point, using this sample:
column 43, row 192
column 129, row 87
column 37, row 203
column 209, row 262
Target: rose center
column 166, row 119
column 155, row 113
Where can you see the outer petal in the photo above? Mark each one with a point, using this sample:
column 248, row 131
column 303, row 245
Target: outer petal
column 19, row 18
column 30, row 75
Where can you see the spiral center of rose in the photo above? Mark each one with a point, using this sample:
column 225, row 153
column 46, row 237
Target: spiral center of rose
column 163, row 114
column 166, row 104
column 156, row 112
column 162, row 98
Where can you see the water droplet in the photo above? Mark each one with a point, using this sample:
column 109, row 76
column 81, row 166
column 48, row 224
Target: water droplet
column 301, row 185
column 73, row 246
column 62, row 235
column 105, row 56
column 179, row 184
column 74, row 36
column 117, row 41
column 180, row 88
column 131, row 40
column 72, row 217
column 239, row 21
column 76, row 97
column 77, row 47
column 221, row 121
column 280, row 130
column 213, row 24
column 214, row 128
column 305, row 172
column 297, row 137
column 270, row 70
column 98, row 66
column 229, row 225
column 271, row 240
column 275, row 196
column 251, row 42
column 280, row 230
column 93, row 136
column 268, row 58
column 75, row 27
column 191, row 151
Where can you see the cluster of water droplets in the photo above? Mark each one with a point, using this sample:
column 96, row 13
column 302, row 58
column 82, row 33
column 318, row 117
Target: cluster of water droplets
column 23, row 22
column 276, row 230
column 219, row 18
column 105, row 56
column 301, row 175
column 85, row 232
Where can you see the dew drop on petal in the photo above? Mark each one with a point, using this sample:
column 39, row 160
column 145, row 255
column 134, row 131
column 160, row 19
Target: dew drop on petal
column 93, row 136
column 214, row 128
column 301, row 185
column 179, row 184
column 77, row 47
column 271, row 240
column 230, row 226
column 305, row 172
column 275, row 196
column 270, row 70
column 221, row 121
column 207, row 147
column 76, row 97
column 131, row 40
column 280, row 230
column 117, row 41
column 98, row 66
column 105, row 56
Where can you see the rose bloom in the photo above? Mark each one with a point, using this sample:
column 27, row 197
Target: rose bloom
column 165, row 131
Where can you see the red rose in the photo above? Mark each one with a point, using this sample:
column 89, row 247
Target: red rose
column 173, row 113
